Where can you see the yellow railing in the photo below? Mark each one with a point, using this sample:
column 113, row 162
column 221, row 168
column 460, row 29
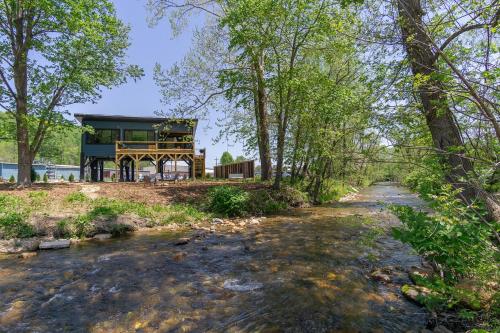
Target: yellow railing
column 152, row 146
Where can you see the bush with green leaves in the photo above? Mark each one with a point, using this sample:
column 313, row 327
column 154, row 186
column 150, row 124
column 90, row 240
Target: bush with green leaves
column 33, row 174
column 71, row 178
column 228, row 200
column 12, row 179
column 45, row 178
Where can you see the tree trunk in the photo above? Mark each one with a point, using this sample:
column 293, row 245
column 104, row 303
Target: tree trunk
column 20, row 67
column 24, row 160
column 443, row 128
column 262, row 120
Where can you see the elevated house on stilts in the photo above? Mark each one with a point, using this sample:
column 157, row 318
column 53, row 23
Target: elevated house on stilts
column 127, row 141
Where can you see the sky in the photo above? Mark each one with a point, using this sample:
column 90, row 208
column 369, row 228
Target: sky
column 142, row 98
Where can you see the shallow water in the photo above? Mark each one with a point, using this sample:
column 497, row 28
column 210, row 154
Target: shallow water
column 304, row 272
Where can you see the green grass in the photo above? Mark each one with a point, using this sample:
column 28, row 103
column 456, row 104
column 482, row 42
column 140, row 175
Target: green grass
column 16, row 211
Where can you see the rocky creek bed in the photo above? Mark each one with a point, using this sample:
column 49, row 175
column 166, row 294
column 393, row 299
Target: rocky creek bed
column 318, row 269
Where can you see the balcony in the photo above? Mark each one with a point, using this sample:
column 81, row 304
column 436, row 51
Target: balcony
column 154, row 147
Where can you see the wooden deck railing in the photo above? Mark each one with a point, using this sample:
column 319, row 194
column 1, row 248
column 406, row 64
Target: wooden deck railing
column 154, row 146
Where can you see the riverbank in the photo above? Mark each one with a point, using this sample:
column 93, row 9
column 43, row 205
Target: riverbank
column 68, row 213
column 307, row 270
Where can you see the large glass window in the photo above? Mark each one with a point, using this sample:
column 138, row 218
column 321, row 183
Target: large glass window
column 139, row 135
column 103, row 136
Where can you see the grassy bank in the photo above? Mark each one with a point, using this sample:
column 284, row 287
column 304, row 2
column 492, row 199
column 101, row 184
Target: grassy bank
column 63, row 212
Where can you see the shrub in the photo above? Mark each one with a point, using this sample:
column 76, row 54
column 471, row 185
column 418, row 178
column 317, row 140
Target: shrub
column 45, row 178
column 12, row 179
column 228, row 200
column 33, row 174
column 263, row 202
column 71, row 178
column 13, row 225
column 37, row 177
column 453, row 237
column 62, row 177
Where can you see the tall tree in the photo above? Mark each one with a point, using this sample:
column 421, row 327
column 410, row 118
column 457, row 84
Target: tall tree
column 54, row 53
column 226, row 158
column 424, row 55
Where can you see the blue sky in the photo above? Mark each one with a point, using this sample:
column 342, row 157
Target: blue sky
column 141, row 98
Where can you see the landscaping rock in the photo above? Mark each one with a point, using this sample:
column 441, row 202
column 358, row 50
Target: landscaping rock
column 102, row 236
column 182, row 241
column 415, row 293
column 19, row 245
column 55, row 244
column 379, row 275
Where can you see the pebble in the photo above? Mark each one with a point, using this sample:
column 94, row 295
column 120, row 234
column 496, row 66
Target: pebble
column 182, row 241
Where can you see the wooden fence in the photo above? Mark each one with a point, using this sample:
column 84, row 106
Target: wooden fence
column 245, row 169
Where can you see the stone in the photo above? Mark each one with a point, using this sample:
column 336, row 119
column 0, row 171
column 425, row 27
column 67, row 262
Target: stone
column 242, row 224
column 217, row 221
column 182, row 241
column 102, row 236
column 26, row 255
column 441, row 329
column 379, row 275
column 55, row 244
column 19, row 245
column 179, row 256
column 418, row 273
column 415, row 293
column 254, row 221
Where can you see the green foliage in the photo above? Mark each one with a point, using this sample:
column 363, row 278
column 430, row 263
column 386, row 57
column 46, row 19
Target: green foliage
column 228, row 200
column 226, row 158
column 45, row 178
column 12, row 179
column 62, row 177
column 454, row 236
column 264, row 202
column 14, row 212
column 71, row 178
column 13, row 226
column 76, row 197
column 333, row 190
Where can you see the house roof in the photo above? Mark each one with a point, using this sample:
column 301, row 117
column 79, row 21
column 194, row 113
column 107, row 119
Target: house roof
column 82, row 116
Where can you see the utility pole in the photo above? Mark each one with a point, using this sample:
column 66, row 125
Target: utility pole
column 216, row 160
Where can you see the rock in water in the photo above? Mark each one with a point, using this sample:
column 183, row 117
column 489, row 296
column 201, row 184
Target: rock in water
column 378, row 275
column 102, row 236
column 56, row 244
column 182, row 241
column 236, row 285
column 26, row 255
column 415, row 293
